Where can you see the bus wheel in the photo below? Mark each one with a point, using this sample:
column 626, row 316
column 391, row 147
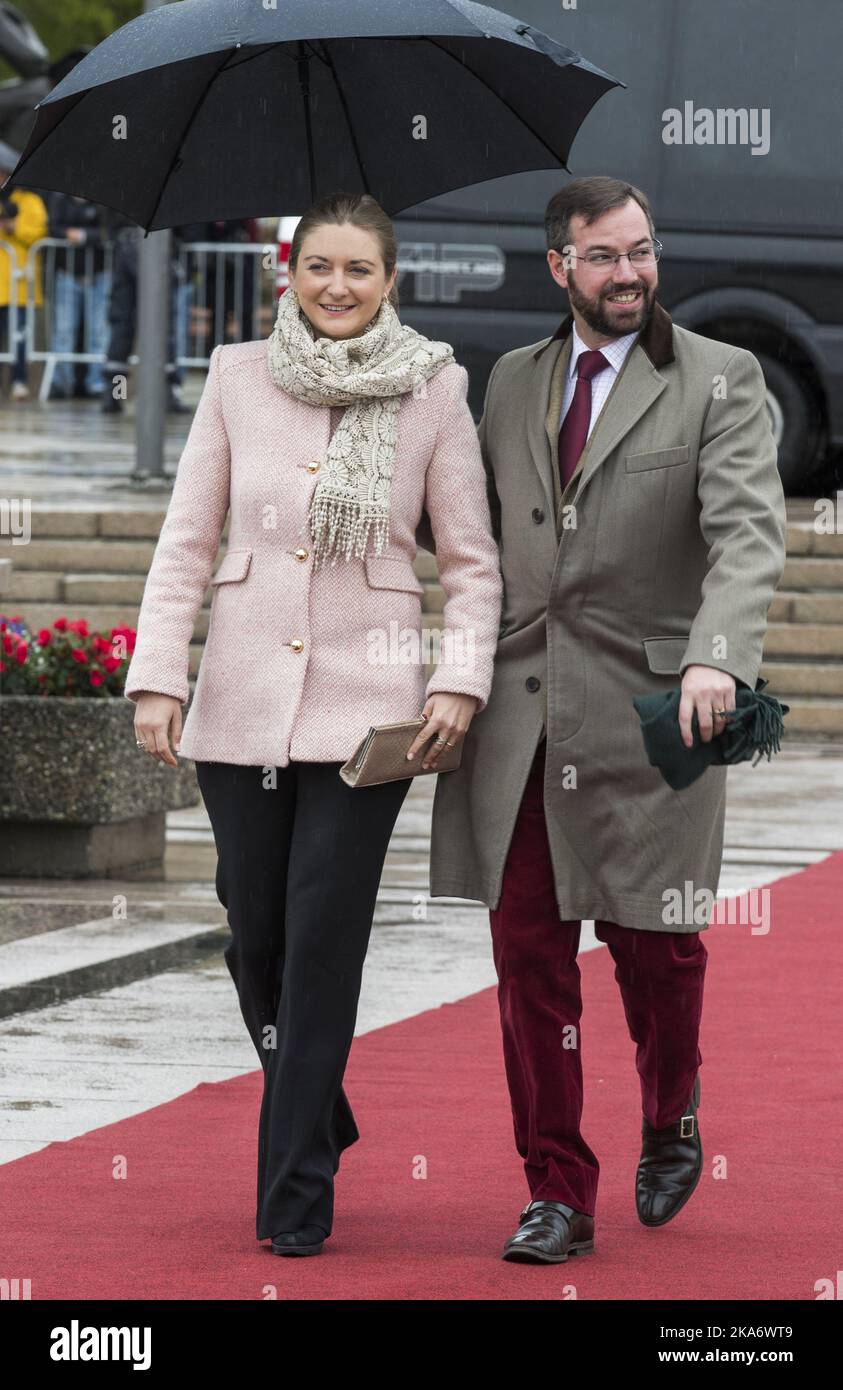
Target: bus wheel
column 795, row 421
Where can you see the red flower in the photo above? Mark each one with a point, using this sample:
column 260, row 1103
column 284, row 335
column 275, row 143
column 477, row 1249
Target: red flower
column 8, row 645
column 2, row 666
column 79, row 655
column 112, row 664
column 80, row 627
column 45, row 637
column 60, row 624
column 128, row 632
column 97, row 678
column 20, row 654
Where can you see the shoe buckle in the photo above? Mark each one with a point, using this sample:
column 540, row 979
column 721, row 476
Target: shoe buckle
column 686, row 1127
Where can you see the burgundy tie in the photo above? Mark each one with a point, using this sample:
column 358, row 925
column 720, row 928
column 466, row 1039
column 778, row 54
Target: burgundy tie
column 574, row 431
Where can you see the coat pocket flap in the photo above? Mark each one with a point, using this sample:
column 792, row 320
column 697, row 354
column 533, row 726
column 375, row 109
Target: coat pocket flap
column 392, row 572
column 234, row 565
column 664, row 654
column 662, row 458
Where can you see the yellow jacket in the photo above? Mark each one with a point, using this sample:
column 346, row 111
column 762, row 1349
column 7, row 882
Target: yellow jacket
column 31, row 224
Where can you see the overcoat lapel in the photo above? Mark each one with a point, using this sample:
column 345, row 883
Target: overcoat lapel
column 636, row 387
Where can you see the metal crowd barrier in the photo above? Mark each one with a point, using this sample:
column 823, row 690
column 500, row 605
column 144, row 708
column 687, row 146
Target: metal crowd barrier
column 217, row 289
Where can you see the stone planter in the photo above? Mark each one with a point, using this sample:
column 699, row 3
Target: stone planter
column 78, row 799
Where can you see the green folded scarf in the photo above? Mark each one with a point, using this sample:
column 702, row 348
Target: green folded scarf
column 755, row 726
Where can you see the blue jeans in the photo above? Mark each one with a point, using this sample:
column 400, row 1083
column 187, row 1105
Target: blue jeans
column 19, row 362
column 85, row 299
column 181, row 302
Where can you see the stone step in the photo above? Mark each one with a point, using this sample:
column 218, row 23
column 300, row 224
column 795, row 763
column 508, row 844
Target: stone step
column 819, row 716
column 100, row 617
column 803, row 538
column 88, row 583
column 813, row 572
column 805, row 639
column 789, row 679
column 79, row 556
column 44, row 969
column 789, row 606
column 805, row 534
column 43, row 586
column 128, row 523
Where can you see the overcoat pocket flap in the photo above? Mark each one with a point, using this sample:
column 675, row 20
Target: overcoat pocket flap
column 392, row 572
column 234, row 565
column 664, row 654
column 662, row 458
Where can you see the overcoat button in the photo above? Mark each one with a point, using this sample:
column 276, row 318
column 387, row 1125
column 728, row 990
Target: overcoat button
column 297, row 644
column 313, row 466
column 532, row 683
column 301, row 554
column 538, row 514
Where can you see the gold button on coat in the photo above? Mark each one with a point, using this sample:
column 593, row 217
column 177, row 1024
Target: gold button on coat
column 313, row 466
column 301, row 554
column 297, row 644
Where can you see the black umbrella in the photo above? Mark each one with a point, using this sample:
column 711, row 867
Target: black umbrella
column 226, row 109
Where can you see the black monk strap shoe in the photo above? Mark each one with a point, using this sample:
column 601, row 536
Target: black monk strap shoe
column 308, row 1241
column 670, row 1165
column 548, row 1232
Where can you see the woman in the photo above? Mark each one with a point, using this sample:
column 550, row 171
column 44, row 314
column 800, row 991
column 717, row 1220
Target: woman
column 328, row 441
column 23, row 221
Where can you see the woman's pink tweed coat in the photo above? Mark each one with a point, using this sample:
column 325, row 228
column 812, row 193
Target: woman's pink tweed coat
column 258, row 699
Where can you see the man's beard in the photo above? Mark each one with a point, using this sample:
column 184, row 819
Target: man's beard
column 599, row 320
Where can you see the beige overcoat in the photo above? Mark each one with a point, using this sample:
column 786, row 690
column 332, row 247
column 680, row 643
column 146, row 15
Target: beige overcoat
column 669, row 555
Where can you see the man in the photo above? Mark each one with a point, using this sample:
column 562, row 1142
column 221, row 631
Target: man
column 80, row 294
column 123, row 311
column 650, row 449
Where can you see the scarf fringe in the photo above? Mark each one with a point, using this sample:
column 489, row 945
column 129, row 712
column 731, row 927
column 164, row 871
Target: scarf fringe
column 339, row 527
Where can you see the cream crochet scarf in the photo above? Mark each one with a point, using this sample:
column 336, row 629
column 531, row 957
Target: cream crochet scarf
column 368, row 373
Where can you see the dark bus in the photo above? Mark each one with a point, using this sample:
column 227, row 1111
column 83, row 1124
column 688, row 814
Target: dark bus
column 752, row 224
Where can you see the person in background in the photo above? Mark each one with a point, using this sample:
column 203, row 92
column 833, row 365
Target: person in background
column 122, row 314
column 235, row 315
column 23, row 221
column 80, row 293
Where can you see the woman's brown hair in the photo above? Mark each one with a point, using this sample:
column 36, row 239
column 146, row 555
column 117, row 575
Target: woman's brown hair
column 361, row 210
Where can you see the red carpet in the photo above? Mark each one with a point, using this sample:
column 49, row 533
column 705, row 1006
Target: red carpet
column 181, row 1226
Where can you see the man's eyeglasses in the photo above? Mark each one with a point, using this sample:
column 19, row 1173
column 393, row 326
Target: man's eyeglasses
column 641, row 255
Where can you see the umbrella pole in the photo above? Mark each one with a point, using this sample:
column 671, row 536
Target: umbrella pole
column 304, row 85
column 153, row 311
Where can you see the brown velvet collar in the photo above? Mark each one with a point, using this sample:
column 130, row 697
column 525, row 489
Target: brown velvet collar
column 656, row 340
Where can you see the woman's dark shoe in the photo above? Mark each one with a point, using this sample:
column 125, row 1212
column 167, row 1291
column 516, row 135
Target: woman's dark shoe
column 548, row 1232
column 670, row 1165
column 308, row 1241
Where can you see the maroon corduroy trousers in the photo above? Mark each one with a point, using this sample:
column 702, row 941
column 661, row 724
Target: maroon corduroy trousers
column 660, row 974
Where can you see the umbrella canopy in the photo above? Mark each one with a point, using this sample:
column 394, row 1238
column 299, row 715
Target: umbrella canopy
column 226, row 109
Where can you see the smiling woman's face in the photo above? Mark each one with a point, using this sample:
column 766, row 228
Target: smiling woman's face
column 341, row 267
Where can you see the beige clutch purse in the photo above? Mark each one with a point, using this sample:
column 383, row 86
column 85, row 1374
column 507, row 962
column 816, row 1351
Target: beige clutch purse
column 382, row 755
